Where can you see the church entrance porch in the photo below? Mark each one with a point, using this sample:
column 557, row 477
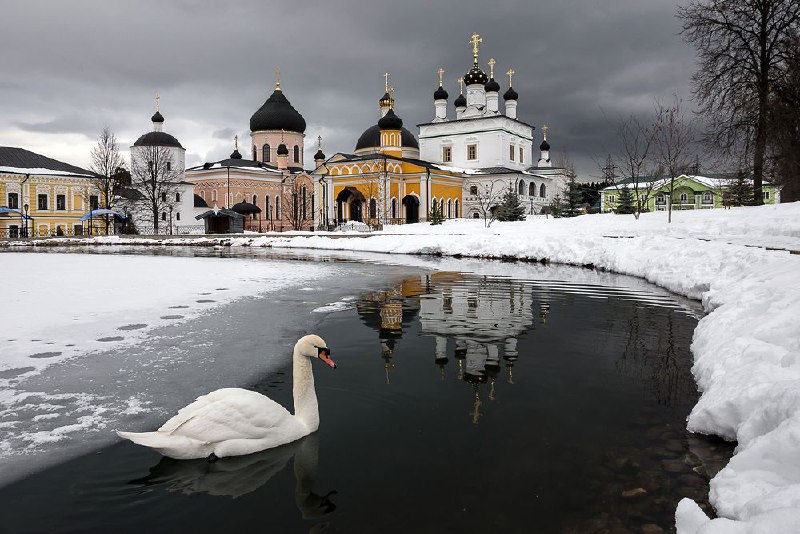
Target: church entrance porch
column 350, row 205
column 411, row 202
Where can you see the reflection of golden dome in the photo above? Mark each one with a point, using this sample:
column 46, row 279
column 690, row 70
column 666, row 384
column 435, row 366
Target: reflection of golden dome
column 392, row 316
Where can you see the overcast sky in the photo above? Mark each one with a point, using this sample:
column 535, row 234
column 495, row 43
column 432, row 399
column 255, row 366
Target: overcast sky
column 69, row 68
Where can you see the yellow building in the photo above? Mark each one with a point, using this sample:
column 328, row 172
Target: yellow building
column 384, row 181
column 53, row 194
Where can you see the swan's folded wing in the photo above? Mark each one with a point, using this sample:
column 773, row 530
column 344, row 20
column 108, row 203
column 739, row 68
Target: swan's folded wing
column 227, row 414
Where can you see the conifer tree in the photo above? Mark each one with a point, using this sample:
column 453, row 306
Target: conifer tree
column 573, row 197
column 739, row 190
column 625, row 201
column 436, row 216
column 510, row 208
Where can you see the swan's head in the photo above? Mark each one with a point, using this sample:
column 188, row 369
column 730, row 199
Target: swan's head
column 313, row 346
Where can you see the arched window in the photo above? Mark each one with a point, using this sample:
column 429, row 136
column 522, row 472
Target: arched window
column 255, row 200
column 532, row 190
column 266, row 207
column 476, row 215
column 684, row 198
column 543, row 191
column 277, row 206
column 521, row 187
column 255, row 153
column 304, row 200
column 296, row 154
column 473, row 190
column 202, row 194
column 265, row 151
column 213, row 195
column 449, row 209
column 441, row 207
column 455, row 213
column 373, row 208
column 394, row 208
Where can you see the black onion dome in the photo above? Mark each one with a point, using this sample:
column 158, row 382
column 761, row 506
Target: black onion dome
column 235, row 154
column 390, row 121
column 157, row 117
column 545, row 145
column 277, row 114
column 371, row 138
column 440, row 94
column 461, row 102
column 492, row 85
column 511, row 94
column 245, row 208
column 319, row 155
column 282, row 150
column 157, row 139
column 476, row 76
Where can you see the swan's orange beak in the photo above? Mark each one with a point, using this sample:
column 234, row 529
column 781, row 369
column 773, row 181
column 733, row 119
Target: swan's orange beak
column 325, row 356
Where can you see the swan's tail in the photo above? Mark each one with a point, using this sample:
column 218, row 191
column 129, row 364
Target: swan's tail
column 174, row 446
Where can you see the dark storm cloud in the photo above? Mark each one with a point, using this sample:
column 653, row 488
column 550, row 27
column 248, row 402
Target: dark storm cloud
column 71, row 68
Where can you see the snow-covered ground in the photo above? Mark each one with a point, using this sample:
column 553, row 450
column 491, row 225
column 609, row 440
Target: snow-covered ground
column 746, row 350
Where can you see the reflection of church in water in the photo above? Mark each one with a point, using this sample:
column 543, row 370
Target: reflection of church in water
column 479, row 318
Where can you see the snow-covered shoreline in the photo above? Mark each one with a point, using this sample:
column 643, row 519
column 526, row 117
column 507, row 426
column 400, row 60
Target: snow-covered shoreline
column 746, row 350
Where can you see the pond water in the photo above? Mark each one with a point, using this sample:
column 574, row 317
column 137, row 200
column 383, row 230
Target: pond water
column 461, row 403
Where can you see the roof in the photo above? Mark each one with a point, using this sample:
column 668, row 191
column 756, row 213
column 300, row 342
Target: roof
column 277, row 114
column 243, row 164
column 157, row 139
column 710, row 180
column 487, row 117
column 200, row 202
column 20, row 161
column 219, row 212
column 371, row 138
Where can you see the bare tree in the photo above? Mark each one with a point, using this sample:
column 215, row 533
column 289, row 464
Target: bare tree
column 742, row 55
column 633, row 161
column 675, row 141
column 298, row 204
column 155, row 176
column 106, row 161
column 785, row 125
column 488, row 195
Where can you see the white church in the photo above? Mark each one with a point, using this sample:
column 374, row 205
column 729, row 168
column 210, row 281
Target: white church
column 493, row 148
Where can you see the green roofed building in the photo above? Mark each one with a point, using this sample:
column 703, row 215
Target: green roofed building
column 690, row 192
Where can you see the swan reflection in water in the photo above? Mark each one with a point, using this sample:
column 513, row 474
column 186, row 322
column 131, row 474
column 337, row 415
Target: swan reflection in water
column 239, row 475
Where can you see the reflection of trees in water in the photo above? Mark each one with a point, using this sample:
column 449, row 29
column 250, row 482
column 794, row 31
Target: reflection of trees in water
column 650, row 353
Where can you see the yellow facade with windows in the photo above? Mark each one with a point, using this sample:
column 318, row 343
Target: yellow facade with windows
column 56, row 198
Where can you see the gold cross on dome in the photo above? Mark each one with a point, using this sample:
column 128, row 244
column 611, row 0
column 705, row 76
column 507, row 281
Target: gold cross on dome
column 440, row 71
column 236, row 142
column 461, row 85
column 277, row 77
column 319, row 142
column 510, row 75
column 544, row 131
column 157, row 99
column 492, row 63
column 475, row 39
column 386, row 80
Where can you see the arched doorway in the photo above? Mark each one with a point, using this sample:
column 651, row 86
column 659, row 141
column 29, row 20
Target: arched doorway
column 353, row 198
column 411, row 202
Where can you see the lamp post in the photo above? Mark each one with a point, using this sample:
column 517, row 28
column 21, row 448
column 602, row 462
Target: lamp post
column 26, row 220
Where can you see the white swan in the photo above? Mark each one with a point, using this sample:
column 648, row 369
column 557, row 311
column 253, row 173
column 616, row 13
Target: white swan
column 234, row 422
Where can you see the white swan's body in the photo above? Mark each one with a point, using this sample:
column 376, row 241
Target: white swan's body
column 234, row 422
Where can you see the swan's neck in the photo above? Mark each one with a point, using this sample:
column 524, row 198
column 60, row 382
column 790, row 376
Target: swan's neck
column 305, row 398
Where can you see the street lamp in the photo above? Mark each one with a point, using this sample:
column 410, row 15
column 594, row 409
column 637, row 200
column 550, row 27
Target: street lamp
column 26, row 220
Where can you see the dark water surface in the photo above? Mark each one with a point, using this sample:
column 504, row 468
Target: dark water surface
column 462, row 403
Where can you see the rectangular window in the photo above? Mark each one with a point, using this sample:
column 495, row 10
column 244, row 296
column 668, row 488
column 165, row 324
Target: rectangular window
column 177, row 197
column 447, row 154
column 178, row 216
column 169, row 165
column 163, row 215
column 163, row 197
column 765, row 195
column 77, row 229
column 511, row 152
column 472, row 152
column 94, row 202
column 13, row 201
column 521, row 155
column 61, row 202
column 41, row 202
column 612, row 198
